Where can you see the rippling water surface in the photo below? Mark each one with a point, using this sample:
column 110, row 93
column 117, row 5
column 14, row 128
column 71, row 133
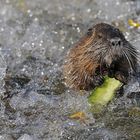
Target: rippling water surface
column 34, row 38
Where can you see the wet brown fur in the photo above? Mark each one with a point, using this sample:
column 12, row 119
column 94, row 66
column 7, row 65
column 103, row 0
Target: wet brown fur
column 86, row 58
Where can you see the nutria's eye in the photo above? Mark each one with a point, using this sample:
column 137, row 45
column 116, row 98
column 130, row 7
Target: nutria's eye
column 90, row 31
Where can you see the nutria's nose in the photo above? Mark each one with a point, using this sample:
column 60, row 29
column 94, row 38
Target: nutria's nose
column 116, row 41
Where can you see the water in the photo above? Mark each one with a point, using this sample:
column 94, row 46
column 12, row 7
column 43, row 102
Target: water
column 35, row 104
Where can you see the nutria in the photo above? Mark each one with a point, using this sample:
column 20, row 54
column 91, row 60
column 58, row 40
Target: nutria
column 102, row 51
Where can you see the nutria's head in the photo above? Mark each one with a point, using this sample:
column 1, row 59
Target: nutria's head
column 110, row 44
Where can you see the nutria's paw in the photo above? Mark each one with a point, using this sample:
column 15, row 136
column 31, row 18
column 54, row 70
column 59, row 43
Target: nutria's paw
column 118, row 75
column 98, row 80
column 111, row 73
column 121, row 77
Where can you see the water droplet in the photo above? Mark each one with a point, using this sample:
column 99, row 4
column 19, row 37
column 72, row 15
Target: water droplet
column 2, row 29
column 88, row 10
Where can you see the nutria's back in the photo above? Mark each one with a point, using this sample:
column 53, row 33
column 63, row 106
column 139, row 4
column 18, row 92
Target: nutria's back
column 102, row 51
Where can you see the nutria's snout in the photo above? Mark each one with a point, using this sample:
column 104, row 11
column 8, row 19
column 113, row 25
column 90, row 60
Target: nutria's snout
column 115, row 47
column 102, row 51
column 116, row 42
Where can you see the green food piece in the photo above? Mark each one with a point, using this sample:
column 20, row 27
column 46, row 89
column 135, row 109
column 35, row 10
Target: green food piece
column 103, row 94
